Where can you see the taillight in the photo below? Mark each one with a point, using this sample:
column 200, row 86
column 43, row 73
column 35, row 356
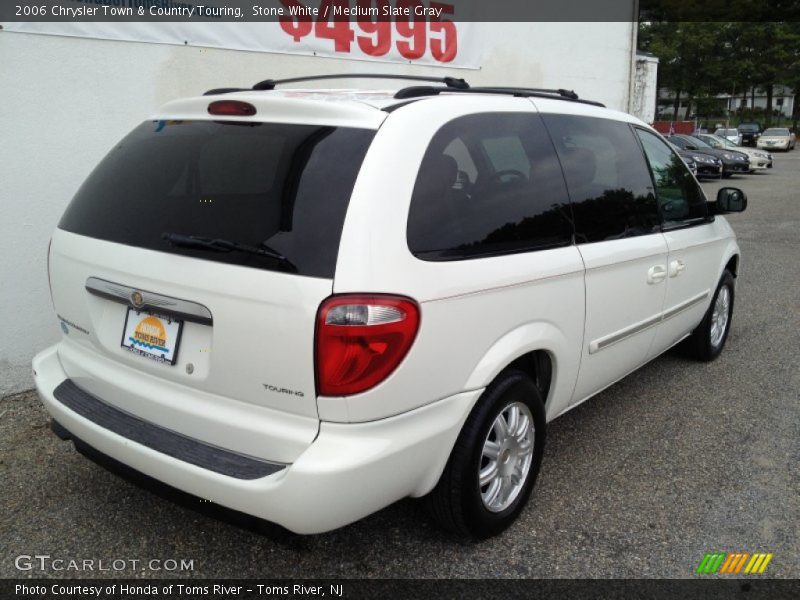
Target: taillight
column 361, row 340
column 231, row 108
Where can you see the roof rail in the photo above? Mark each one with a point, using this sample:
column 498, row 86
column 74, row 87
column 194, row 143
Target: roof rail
column 559, row 94
column 216, row 91
column 449, row 82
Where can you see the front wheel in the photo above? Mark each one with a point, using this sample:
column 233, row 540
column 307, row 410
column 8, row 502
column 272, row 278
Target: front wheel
column 495, row 460
column 708, row 339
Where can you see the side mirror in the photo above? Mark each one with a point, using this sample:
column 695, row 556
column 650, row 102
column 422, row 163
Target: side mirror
column 730, row 200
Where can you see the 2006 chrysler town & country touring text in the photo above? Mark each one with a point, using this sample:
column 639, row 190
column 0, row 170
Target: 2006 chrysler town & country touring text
column 305, row 305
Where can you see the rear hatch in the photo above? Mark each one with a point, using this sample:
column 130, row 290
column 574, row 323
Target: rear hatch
column 188, row 269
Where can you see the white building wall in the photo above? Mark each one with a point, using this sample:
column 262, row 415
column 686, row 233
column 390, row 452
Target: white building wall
column 645, row 87
column 65, row 101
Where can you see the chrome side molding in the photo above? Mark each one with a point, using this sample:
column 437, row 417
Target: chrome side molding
column 618, row 336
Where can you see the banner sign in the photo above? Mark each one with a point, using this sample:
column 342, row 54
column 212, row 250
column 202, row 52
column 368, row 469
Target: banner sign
column 422, row 32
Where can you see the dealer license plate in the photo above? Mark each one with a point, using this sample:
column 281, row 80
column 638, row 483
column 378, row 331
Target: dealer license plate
column 152, row 336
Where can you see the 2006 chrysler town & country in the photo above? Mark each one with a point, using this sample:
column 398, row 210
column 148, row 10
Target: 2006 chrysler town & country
column 305, row 305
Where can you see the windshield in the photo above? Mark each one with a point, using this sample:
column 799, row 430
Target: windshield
column 697, row 142
column 281, row 185
column 777, row 131
column 716, row 140
column 749, row 127
column 727, row 132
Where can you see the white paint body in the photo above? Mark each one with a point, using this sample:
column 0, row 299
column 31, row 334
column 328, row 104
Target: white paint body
column 593, row 308
column 66, row 100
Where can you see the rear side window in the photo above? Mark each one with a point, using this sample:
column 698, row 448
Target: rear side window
column 282, row 185
column 488, row 184
column 679, row 197
column 607, row 176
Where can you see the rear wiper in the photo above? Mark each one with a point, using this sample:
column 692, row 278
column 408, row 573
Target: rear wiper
column 222, row 245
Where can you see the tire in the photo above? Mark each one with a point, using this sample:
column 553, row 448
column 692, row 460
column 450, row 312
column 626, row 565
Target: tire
column 726, row 175
column 458, row 502
column 706, row 341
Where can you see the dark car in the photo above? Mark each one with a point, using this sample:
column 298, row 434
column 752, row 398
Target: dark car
column 732, row 161
column 750, row 133
column 688, row 158
column 707, row 165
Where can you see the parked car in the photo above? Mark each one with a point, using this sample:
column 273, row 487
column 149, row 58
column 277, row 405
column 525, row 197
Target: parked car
column 701, row 165
column 732, row 135
column 750, row 133
column 759, row 159
column 690, row 162
column 732, row 161
column 305, row 305
column 777, row 138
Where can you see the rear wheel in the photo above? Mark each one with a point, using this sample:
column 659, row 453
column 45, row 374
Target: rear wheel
column 495, row 461
column 708, row 339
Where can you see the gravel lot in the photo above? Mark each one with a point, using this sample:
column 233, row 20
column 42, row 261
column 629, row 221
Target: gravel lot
column 678, row 459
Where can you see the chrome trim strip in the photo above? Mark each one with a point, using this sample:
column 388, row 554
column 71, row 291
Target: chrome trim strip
column 605, row 342
column 620, row 335
column 684, row 305
column 175, row 307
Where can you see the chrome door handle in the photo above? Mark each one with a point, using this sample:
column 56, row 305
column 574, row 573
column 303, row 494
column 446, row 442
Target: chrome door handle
column 676, row 267
column 656, row 274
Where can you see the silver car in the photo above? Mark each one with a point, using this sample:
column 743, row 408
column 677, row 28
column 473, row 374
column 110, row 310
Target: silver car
column 732, row 135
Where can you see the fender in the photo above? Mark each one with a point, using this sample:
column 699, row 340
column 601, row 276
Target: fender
column 565, row 357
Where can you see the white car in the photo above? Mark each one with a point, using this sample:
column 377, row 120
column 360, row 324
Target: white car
column 759, row 159
column 777, row 138
column 732, row 135
column 305, row 305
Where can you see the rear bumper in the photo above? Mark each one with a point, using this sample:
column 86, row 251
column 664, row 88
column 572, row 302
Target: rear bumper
column 348, row 472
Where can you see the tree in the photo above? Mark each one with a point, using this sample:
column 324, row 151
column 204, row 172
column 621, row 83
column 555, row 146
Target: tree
column 701, row 60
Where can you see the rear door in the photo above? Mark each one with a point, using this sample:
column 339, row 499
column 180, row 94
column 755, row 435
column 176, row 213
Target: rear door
column 174, row 329
column 695, row 250
column 618, row 234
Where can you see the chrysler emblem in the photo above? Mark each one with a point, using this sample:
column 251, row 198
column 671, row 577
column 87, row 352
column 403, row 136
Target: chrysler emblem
column 137, row 299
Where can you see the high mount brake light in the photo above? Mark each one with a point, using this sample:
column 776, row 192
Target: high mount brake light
column 231, row 108
column 361, row 339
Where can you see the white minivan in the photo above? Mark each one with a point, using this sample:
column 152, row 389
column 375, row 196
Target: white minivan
column 305, row 305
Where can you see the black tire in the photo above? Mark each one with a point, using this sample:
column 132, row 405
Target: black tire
column 456, row 503
column 726, row 175
column 699, row 344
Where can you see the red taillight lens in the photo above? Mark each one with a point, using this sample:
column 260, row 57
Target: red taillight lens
column 361, row 340
column 231, row 108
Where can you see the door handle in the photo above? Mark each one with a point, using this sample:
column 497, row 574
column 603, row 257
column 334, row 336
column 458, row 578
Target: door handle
column 656, row 274
column 676, row 267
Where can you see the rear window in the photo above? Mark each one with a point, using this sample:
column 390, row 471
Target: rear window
column 777, row 131
column 284, row 186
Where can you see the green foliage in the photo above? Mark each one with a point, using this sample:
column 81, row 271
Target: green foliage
column 701, row 59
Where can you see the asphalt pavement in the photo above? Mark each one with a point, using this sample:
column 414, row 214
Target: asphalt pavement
column 677, row 460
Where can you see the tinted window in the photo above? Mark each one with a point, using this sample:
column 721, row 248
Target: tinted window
column 488, row 184
column 286, row 186
column 679, row 197
column 607, row 176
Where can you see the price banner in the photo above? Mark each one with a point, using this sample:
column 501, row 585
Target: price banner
column 408, row 30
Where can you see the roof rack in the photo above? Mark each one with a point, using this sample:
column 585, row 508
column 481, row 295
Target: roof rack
column 559, row 94
column 449, row 82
